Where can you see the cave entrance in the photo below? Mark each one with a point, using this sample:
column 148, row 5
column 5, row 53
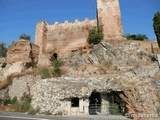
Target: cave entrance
column 55, row 55
column 95, row 103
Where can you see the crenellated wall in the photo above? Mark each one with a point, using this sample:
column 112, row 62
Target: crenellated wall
column 63, row 37
column 52, row 38
column 67, row 35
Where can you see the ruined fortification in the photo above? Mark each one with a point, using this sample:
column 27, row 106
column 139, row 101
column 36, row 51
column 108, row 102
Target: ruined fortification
column 52, row 38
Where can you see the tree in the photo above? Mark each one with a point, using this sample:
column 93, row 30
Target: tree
column 24, row 36
column 156, row 26
column 140, row 37
column 3, row 49
column 95, row 35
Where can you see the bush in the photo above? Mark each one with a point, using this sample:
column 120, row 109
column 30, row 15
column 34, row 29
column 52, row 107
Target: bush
column 4, row 65
column 114, row 108
column 48, row 113
column 6, row 100
column 33, row 111
column 3, row 49
column 57, row 64
column 95, row 36
column 59, row 114
column 24, row 36
column 107, row 63
column 140, row 37
column 44, row 72
column 22, row 106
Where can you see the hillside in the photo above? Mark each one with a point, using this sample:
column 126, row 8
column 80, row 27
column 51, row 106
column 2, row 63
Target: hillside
column 123, row 70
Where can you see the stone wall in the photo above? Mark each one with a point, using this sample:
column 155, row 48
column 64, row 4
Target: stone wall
column 52, row 38
column 110, row 17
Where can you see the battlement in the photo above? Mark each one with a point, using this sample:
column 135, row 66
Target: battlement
column 76, row 21
column 67, row 35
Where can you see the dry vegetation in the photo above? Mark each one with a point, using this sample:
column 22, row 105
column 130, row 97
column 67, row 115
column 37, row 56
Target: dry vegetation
column 138, row 64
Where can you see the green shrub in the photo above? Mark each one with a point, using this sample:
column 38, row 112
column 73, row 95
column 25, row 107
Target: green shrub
column 48, row 113
column 95, row 36
column 59, row 114
column 4, row 65
column 57, row 63
column 24, row 36
column 107, row 63
column 44, row 72
column 22, row 106
column 140, row 37
column 14, row 100
column 6, row 100
column 33, row 111
column 114, row 108
column 3, row 49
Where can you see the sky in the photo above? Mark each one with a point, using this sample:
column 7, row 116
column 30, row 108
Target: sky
column 20, row 16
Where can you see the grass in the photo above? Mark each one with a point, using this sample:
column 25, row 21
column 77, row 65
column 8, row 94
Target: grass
column 59, row 114
column 18, row 106
column 48, row 113
column 22, row 106
column 57, row 63
column 107, row 63
column 33, row 111
column 45, row 73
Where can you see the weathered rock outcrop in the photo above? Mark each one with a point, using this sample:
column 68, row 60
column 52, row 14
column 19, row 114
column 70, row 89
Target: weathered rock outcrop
column 23, row 84
column 22, row 51
column 138, row 94
column 21, row 55
column 129, row 58
column 131, row 78
column 119, row 54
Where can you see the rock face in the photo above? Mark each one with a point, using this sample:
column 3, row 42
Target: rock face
column 22, row 51
column 23, row 84
column 137, row 94
column 131, row 81
column 123, row 57
column 119, row 54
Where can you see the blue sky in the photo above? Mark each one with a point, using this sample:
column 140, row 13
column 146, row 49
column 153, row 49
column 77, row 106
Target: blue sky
column 20, row 16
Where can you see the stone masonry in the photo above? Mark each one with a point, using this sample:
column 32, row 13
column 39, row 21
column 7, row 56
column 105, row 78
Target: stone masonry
column 51, row 38
column 110, row 17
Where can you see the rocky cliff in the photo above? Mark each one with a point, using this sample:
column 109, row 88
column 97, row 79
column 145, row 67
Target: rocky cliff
column 124, row 70
column 22, row 51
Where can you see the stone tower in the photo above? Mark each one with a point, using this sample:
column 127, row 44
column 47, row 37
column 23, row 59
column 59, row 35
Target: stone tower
column 110, row 17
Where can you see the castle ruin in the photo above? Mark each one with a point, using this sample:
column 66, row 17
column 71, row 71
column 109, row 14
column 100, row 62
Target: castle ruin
column 52, row 38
